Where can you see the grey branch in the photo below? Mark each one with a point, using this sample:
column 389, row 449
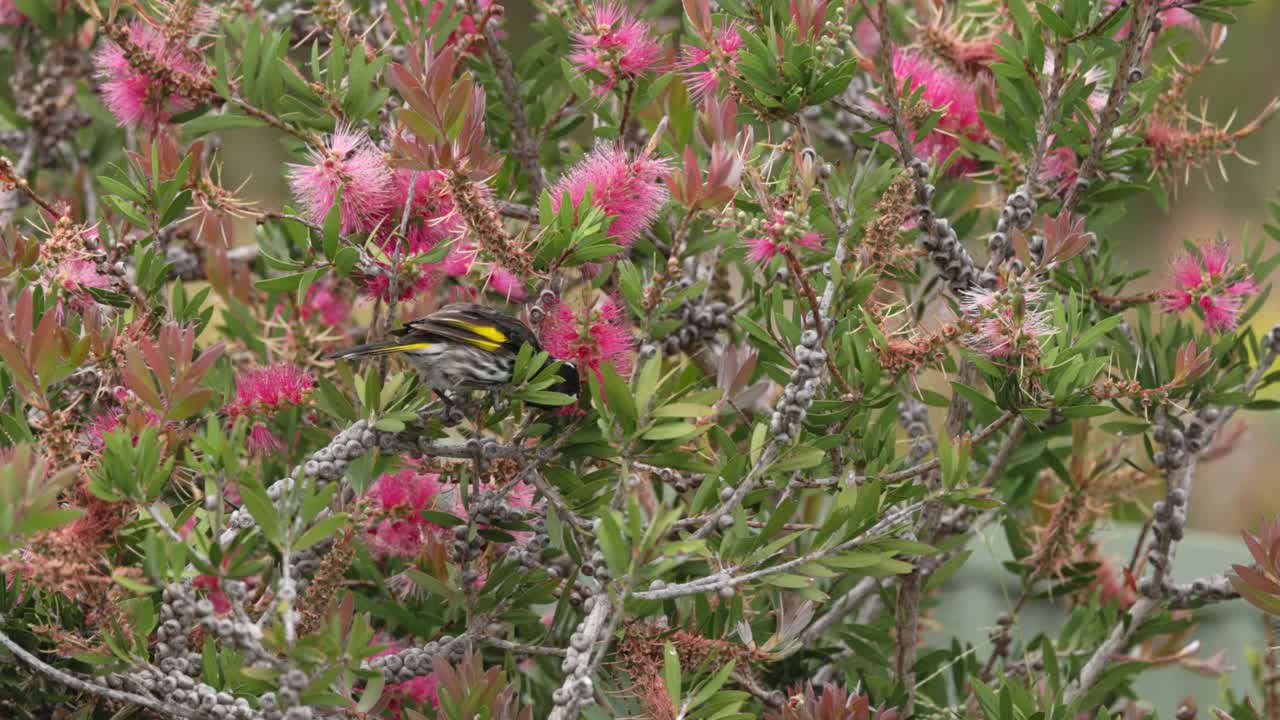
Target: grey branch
column 525, row 148
column 1155, row 589
column 94, row 688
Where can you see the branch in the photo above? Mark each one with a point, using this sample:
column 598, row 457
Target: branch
column 94, row 688
column 1170, row 519
column 525, row 148
column 726, row 578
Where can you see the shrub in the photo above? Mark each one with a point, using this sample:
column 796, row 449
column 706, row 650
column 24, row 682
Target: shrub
column 836, row 281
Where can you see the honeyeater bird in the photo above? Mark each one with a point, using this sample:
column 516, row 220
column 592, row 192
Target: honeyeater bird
column 462, row 347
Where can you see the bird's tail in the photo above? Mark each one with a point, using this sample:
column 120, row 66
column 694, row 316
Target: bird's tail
column 374, row 349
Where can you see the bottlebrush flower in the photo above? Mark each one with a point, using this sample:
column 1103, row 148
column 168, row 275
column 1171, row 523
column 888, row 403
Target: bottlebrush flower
column 10, row 14
column 351, row 162
column 507, row 284
column 136, row 98
column 270, row 389
column 1207, row 281
column 324, row 303
column 952, row 94
column 629, row 191
column 433, row 219
column 614, row 44
column 590, row 338
column 77, row 276
column 398, row 528
column 705, row 67
column 419, row 690
column 260, row 439
column 1004, row 320
column 779, row 235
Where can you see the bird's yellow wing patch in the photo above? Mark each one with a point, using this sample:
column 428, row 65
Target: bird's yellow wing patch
column 485, row 331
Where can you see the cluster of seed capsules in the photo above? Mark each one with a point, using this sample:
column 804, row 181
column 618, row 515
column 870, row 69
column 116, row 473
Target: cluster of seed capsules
column 172, row 677
column 798, row 395
column 948, row 254
column 700, row 322
column 407, row 664
column 44, row 95
column 913, row 416
column 577, row 689
column 328, row 464
column 1018, row 212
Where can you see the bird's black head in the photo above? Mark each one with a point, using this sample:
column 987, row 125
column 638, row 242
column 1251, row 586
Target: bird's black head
column 569, row 384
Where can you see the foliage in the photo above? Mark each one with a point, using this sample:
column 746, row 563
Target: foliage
column 839, row 282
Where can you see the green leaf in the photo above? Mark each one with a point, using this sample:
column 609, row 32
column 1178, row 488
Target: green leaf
column 671, row 431
column 206, row 124
column 322, row 530
column 671, row 673
column 683, row 410
column 372, row 690
column 443, row 519
column 260, row 508
column 616, row 553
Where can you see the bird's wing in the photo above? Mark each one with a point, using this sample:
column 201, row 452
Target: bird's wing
column 473, row 325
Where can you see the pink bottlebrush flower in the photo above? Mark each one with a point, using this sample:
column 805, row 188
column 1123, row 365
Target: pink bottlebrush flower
column 10, row 14
column 866, row 38
column 1060, row 169
column 1004, row 320
column 139, row 100
column 432, row 220
column 398, row 528
column 261, row 440
column 77, row 276
column 505, row 283
column 765, row 248
column 629, row 191
column 1208, row 281
column 949, row 92
column 432, row 216
column 270, row 389
column 705, row 67
column 419, row 690
column 614, row 44
column 351, row 162
column 590, row 338
column 326, row 305
column 213, row 591
column 99, row 427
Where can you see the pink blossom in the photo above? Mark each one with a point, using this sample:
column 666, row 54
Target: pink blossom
column 324, row 303
column 351, row 162
column 398, row 528
column 1207, row 280
column 866, row 38
column 260, row 439
column 507, row 284
column 467, row 26
column 213, row 591
column 705, row 67
column 1060, row 169
column 270, row 389
column 591, row 338
column 10, row 14
column 100, row 426
column 765, row 248
column 1004, row 320
column 134, row 97
column 629, row 191
column 615, row 44
column 952, row 94
column 77, row 277
column 432, row 220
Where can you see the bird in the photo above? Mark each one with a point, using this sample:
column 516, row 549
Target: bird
column 463, row 347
